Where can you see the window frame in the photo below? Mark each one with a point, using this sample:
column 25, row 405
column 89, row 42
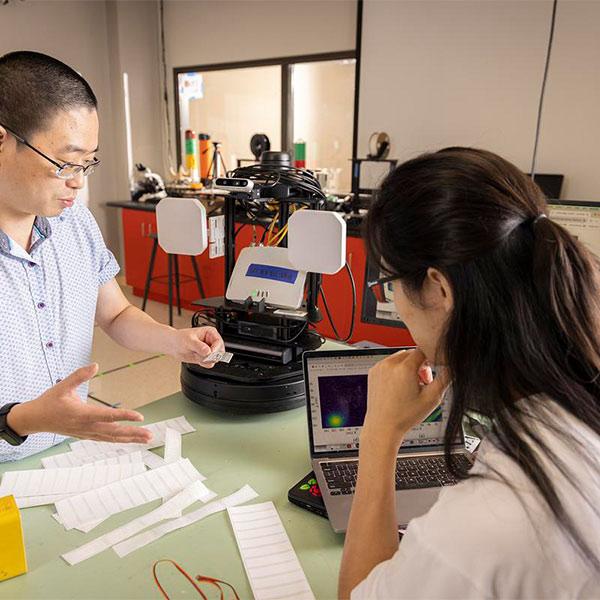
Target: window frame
column 286, row 87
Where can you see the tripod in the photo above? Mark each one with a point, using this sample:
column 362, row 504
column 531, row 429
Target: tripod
column 216, row 160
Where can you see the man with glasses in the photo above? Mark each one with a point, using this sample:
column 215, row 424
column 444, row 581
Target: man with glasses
column 56, row 274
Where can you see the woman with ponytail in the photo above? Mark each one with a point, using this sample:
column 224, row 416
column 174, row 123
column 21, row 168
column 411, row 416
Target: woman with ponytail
column 505, row 304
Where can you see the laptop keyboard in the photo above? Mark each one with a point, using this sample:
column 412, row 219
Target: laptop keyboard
column 411, row 473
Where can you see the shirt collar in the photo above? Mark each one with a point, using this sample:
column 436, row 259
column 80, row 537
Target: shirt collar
column 41, row 231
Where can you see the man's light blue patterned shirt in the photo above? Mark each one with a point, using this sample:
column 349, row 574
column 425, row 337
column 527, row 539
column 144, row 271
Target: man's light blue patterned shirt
column 47, row 308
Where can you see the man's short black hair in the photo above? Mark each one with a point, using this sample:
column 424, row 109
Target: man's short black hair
column 34, row 87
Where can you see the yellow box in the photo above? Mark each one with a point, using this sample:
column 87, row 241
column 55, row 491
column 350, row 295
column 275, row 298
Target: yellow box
column 12, row 549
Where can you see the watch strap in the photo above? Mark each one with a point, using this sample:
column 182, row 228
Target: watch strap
column 6, row 433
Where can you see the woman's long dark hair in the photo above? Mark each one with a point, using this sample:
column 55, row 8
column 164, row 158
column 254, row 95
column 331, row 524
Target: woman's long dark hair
column 526, row 315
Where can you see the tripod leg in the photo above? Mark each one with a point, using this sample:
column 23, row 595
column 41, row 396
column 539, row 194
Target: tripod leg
column 176, row 261
column 198, row 280
column 149, row 275
column 170, row 260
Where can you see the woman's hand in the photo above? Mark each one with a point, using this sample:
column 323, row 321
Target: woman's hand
column 402, row 393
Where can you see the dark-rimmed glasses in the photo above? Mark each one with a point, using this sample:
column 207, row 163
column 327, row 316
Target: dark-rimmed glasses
column 64, row 170
column 378, row 287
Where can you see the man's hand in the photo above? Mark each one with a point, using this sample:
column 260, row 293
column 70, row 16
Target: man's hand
column 195, row 344
column 402, row 393
column 60, row 410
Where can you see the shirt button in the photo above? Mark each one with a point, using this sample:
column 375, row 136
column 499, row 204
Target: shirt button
column 32, row 264
column 49, row 344
column 41, row 305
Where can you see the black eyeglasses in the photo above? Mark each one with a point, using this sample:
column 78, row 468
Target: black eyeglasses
column 382, row 289
column 64, row 170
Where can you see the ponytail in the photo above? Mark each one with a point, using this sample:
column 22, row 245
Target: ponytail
column 565, row 276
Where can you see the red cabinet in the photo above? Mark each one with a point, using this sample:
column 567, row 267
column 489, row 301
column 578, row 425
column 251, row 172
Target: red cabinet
column 139, row 224
column 137, row 227
column 338, row 292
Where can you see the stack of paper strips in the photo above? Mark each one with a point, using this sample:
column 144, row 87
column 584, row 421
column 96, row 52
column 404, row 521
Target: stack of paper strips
column 167, row 511
column 96, row 480
column 86, row 450
column 242, row 496
column 47, row 486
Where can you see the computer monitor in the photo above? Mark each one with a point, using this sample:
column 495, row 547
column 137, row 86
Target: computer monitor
column 374, row 312
column 368, row 174
column 550, row 184
column 580, row 218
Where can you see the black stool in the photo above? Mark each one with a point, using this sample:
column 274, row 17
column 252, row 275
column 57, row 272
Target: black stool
column 173, row 261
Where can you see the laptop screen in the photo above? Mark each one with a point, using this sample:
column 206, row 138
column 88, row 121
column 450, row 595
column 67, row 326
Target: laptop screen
column 336, row 386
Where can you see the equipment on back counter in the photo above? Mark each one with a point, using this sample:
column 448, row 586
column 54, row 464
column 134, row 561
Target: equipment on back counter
column 149, row 186
column 259, row 143
column 379, row 146
column 272, row 288
column 217, row 162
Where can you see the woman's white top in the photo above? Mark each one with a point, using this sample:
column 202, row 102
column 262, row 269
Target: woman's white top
column 483, row 539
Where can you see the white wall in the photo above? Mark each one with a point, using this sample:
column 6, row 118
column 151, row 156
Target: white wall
column 570, row 139
column 100, row 40
column 438, row 73
column 206, row 32
column 215, row 31
column 134, row 49
column 74, row 32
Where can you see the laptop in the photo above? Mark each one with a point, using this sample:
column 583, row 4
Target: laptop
column 336, row 401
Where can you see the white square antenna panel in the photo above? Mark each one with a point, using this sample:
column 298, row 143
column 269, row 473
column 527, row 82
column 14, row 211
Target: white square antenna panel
column 181, row 225
column 266, row 273
column 317, row 241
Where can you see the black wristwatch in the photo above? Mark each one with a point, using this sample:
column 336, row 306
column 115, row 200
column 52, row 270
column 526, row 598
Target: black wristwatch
column 6, row 433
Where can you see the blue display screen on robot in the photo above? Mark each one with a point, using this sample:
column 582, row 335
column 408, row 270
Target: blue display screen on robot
column 272, row 272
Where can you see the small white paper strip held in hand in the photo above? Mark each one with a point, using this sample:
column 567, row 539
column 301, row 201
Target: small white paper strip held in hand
column 122, row 495
column 192, row 493
column 74, row 480
column 217, row 356
column 72, row 459
column 271, row 564
column 243, row 495
column 158, row 430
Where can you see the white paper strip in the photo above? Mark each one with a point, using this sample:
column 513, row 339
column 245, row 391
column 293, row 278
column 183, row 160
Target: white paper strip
column 158, row 430
column 74, row 480
column 122, row 495
column 172, row 445
column 151, row 460
column 189, row 495
column 271, row 564
column 29, row 501
column 72, row 459
column 243, row 495
column 172, row 452
column 84, row 528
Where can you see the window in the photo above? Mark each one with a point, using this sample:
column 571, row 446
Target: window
column 231, row 105
column 309, row 98
column 323, row 117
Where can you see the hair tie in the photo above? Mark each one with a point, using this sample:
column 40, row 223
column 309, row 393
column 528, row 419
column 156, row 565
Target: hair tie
column 540, row 216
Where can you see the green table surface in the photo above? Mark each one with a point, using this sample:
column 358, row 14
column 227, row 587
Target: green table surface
column 269, row 452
